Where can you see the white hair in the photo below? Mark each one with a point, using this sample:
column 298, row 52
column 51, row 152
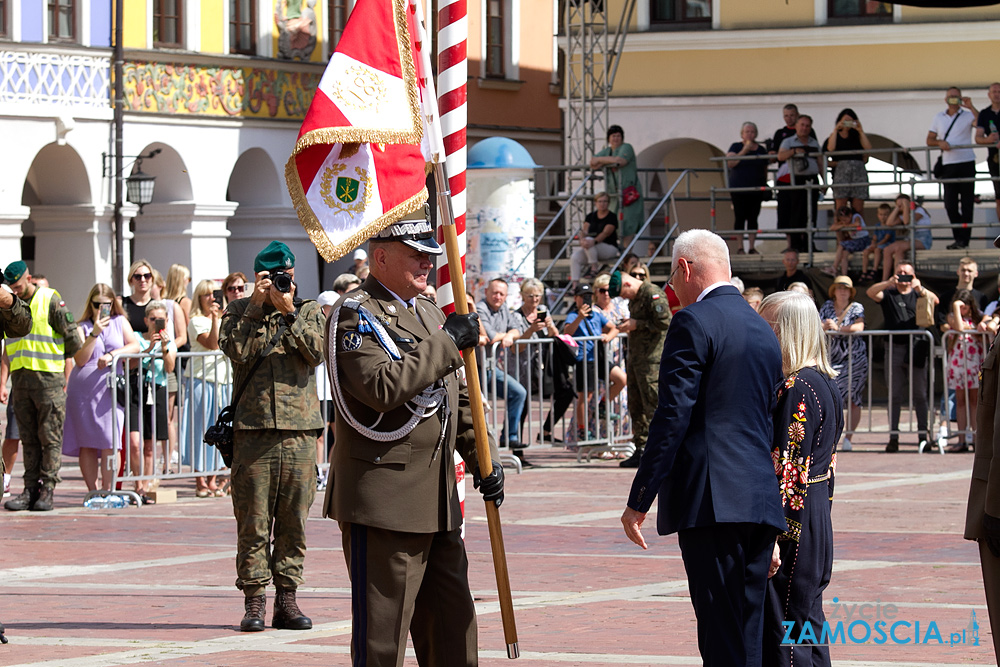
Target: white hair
column 701, row 245
column 737, row 282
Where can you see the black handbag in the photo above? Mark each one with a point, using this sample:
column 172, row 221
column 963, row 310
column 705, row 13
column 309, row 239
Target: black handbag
column 220, row 434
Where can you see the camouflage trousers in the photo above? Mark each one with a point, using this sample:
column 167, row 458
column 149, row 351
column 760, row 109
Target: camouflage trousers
column 274, row 485
column 40, row 414
column 643, row 396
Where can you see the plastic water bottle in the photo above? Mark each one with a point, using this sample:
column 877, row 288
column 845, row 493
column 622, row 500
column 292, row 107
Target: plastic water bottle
column 96, row 502
column 116, row 502
column 942, row 436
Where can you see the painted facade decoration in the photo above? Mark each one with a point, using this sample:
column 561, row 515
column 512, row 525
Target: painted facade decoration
column 218, row 91
column 296, row 23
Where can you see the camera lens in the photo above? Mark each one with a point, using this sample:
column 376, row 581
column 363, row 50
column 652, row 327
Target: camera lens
column 282, row 282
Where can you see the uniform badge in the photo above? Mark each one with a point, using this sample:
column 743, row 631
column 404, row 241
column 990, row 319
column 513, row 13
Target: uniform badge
column 351, row 341
column 391, row 308
column 384, row 319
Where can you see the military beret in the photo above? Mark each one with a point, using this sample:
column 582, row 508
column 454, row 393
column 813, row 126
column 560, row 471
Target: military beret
column 615, row 284
column 14, row 272
column 275, row 257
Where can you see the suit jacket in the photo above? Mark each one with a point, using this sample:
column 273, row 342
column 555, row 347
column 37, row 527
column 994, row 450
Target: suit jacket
column 708, row 454
column 398, row 485
column 984, row 495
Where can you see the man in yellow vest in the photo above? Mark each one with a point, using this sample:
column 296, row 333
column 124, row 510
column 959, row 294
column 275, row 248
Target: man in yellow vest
column 38, row 380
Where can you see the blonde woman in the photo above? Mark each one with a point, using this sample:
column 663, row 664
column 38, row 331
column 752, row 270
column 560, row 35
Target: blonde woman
column 808, row 422
column 207, row 387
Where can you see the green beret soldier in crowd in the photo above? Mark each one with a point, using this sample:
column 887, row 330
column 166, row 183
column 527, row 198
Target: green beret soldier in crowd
column 275, row 425
column 649, row 317
column 401, row 415
column 38, row 381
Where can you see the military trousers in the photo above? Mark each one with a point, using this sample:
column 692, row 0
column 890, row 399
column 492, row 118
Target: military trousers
column 274, row 485
column 416, row 583
column 643, row 396
column 40, row 410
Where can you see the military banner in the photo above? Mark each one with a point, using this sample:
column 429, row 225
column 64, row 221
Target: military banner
column 358, row 165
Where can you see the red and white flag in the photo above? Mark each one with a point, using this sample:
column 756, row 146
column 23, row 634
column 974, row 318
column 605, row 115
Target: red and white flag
column 360, row 160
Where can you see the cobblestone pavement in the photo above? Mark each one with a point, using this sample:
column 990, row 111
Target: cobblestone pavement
column 153, row 585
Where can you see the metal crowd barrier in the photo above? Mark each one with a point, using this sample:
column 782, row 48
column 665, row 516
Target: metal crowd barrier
column 896, row 349
column 959, row 367
column 200, row 398
column 528, row 362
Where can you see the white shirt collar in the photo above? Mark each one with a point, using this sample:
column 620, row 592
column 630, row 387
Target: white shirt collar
column 711, row 287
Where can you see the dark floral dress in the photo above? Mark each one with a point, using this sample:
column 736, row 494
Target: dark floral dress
column 808, row 422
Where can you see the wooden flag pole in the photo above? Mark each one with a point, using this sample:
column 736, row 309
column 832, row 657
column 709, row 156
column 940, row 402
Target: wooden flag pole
column 478, row 414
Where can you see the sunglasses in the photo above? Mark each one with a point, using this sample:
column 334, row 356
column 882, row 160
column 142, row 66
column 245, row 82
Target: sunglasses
column 97, row 304
column 602, row 290
column 238, row 289
column 638, row 275
column 142, row 276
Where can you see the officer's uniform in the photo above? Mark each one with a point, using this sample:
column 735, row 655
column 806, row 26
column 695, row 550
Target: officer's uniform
column 401, row 414
column 38, row 379
column 651, row 312
column 274, row 445
column 984, row 495
column 14, row 321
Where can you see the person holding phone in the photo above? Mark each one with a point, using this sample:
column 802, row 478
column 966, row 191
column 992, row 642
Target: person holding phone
column 159, row 345
column 87, row 432
column 898, row 297
column 586, row 321
column 209, row 389
column 951, row 130
column 850, row 177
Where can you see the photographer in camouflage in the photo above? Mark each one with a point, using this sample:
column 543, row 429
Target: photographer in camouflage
column 274, row 435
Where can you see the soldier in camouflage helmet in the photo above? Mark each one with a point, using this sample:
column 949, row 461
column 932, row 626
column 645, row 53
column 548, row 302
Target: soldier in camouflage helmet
column 275, row 427
column 649, row 317
column 38, row 380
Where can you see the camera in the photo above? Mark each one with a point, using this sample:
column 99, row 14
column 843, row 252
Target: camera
column 281, row 281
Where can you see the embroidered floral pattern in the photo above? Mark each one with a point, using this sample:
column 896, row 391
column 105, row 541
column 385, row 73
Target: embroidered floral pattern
column 790, row 465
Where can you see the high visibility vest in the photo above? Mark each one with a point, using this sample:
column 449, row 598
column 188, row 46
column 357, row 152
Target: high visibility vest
column 42, row 349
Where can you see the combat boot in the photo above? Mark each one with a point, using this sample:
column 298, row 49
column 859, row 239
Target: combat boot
column 25, row 501
column 44, row 502
column 287, row 615
column 253, row 619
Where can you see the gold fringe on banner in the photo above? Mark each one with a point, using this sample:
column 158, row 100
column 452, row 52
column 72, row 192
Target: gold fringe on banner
column 318, row 235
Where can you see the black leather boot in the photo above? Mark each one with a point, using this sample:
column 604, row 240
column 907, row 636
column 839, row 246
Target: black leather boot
column 25, row 501
column 287, row 615
column 3, row 639
column 44, row 502
column 253, row 619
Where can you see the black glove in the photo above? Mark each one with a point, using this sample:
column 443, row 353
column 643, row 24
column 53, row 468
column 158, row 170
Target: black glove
column 492, row 486
column 463, row 329
column 991, row 533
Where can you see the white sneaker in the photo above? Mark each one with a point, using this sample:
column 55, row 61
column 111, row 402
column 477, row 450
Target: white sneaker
column 846, row 445
column 6, row 490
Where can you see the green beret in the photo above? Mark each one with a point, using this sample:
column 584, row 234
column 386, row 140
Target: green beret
column 275, row 257
column 15, row 271
column 615, row 284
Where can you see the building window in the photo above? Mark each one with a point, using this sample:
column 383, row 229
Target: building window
column 243, row 26
column 680, row 11
column 495, row 38
column 167, row 22
column 859, row 9
column 62, row 20
column 337, row 11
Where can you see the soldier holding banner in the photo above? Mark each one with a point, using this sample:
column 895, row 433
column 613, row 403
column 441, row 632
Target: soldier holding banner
column 401, row 414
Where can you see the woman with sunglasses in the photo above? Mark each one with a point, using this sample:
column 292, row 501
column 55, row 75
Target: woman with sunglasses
column 640, row 272
column 599, row 242
column 233, row 288
column 88, row 432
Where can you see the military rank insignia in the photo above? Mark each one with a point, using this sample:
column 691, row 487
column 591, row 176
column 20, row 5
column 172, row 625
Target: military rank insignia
column 351, row 341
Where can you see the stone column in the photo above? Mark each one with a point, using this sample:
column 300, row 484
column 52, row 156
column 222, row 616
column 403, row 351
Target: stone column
column 73, row 248
column 10, row 234
column 188, row 233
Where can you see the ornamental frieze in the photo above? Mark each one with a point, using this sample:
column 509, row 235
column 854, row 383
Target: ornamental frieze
column 201, row 90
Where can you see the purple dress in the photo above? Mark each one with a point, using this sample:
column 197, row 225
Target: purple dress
column 88, row 396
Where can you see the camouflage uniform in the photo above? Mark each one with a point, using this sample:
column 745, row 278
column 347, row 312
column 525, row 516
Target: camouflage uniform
column 275, row 428
column 40, row 403
column 14, row 321
column 651, row 313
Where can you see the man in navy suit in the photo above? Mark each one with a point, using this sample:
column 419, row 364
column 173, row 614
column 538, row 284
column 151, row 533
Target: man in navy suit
column 708, row 454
